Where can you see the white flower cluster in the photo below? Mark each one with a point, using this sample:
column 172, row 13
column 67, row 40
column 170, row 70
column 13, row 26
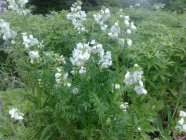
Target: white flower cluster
column 59, row 79
column 124, row 106
column 30, row 41
column 34, row 55
column 105, row 60
column 5, row 30
column 101, row 17
column 15, row 114
column 116, row 32
column 181, row 126
column 135, row 78
column 82, row 54
column 18, row 6
column 77, row 16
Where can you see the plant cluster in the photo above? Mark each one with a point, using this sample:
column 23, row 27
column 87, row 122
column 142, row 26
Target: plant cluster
column 72, row 84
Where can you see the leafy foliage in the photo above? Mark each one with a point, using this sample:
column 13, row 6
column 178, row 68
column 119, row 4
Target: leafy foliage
column 55, row 112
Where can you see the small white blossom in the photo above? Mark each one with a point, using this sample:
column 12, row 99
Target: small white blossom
column 124, row 106
column 121, row 42
column 128, row 31
column 140, row 89
column 69, row 85
column 117, row 86
column 5, row 31
column 82, row 70
column 15, row 114
column 80, row 54
column 132, row 26
column 127, row 18
column 18, row 6
column 127, row 23
column 129, row 42
column 182, row 114
column 75, row 91
column 105, row 60
column 101, row 17
column 29, row 41
column 34, row 55
column 77, row 16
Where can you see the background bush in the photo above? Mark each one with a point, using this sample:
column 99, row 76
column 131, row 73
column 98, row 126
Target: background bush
column 158, row 46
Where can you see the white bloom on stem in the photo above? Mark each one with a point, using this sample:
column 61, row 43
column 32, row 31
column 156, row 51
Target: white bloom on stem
column 121, row 42
column 128, row 31
column 129, row 42
column 77, row 16
column 80, row 54
column 29, row 41
column 15, row 114
column 18, row 6
column 128, row 79
column 75, row 91
column 184, row 127
column 105, row 60
column 124, row 106
column 117, row 86
column 34, row 55
column 5, row 30
column 132, row 26
column 82, row 70
column 115, row 28
column 69, row 85
column 127, row 23
column 140, row 89
column 101, row 17
column 127, row 18
column 182, row 114
column 181, row 121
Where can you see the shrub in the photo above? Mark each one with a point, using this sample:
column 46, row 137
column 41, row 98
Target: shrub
column 92, row 101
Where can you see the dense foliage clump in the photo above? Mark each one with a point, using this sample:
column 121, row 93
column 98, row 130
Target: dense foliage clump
column 107, row 74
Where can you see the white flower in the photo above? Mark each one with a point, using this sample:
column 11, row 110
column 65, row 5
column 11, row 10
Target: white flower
column 5, row 30
column 77, row 16
column 132, row 26
column 34, row 55
column 113, row 35
column 128, row 79
column 121, row 42
column 57, row 75
column 65, row 76
column 136, row 65
column 127, row 18
column 15, row 114
column 18, row 6
column 184, row 127
column 124, row 106
column 115, row 28
column 82, row 70
column 127, row 23
column 29, row 41
column 140, row 89
column 75, row 91
column 181, row 121
column 105, row 60
column 128, row 31
column 182, row 114
column 139, row 129
column 101, row 17
column 129, row 42
column 117, row 86
column 80, row 54
column 69, row 85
